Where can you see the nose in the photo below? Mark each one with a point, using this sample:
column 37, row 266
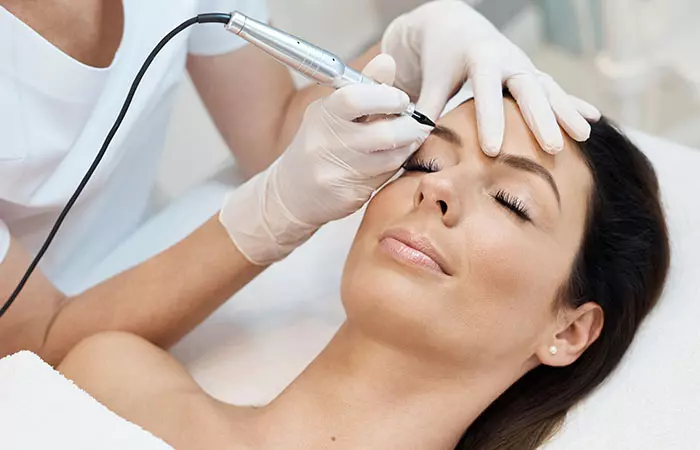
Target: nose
column 436, row 192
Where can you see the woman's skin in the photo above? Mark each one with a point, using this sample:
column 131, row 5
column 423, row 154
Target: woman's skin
column 428, row 344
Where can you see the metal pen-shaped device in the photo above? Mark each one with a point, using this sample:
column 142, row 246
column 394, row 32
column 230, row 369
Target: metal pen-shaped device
column 316, row 63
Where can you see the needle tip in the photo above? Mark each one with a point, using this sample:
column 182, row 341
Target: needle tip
column 422, row 118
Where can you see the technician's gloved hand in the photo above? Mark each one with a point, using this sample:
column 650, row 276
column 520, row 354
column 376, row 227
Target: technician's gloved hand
column 329, row 171
column 441, row 44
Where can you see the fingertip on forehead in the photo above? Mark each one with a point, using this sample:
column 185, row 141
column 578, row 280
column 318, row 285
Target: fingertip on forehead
column 519, row 139
column 516, row 128
column 516, row 124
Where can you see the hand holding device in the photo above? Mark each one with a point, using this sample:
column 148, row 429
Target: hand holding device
column 330, row 169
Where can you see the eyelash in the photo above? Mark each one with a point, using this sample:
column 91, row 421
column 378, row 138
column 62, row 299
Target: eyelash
column 514, row 205
column 421, row 165
column 510, row 202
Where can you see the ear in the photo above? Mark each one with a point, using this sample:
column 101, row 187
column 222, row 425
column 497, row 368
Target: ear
column 579, row 328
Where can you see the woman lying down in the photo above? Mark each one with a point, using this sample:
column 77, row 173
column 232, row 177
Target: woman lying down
column 484, row 298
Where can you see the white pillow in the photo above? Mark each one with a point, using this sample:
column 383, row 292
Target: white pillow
column 653, row 400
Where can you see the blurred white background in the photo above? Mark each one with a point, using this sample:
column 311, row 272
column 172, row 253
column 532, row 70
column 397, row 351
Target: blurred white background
column 638, row 60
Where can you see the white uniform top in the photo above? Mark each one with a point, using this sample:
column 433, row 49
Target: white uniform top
column 55, row 113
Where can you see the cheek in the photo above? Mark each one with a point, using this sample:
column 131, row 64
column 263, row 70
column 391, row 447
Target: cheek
column 360, row 277
column 390, row 204
column 508, row 261
column 509, row 284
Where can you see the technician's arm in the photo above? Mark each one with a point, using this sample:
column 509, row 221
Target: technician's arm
column 329, row 171
column 254, row 103
column 160, row 300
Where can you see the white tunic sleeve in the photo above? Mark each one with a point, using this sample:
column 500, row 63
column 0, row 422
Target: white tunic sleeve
column 213, row 39
column 4, row 240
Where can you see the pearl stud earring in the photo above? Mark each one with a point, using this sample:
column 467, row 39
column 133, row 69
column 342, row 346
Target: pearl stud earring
column 553, row 350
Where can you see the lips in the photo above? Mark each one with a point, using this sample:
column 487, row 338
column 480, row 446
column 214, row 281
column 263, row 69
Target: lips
column 412, row 249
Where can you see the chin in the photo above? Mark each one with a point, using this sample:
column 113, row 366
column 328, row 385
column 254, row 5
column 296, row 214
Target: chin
column 373, row 277
column 391, row 303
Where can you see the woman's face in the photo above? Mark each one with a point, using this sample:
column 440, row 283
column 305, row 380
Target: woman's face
column 460, row 260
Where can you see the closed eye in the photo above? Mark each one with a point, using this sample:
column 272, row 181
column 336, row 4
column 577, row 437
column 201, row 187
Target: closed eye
column 513, row 204
column 508, row 201
column 416, row 164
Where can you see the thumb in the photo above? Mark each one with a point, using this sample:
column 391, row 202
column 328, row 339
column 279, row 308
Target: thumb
column 381, row 69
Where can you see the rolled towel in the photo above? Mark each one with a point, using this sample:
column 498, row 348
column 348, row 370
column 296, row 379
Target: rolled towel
column 41, row 409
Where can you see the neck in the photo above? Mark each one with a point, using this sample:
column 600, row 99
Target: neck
column 359, row 393
column 89, row 31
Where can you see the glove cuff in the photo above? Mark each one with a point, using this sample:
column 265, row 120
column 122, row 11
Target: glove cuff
column 259, row 224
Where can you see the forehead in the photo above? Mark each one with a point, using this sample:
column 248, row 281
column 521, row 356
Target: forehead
column 568, row 167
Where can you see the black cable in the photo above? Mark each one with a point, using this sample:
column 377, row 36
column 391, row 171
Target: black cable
column 202, row 18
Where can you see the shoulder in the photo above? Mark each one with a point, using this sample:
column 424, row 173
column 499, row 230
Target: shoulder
column 120, row 370
column 145, row 385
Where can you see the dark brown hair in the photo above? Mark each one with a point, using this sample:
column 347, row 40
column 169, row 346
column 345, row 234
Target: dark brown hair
column 621, row 265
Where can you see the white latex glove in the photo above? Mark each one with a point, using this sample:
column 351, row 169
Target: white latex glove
column 329, row 171
column 441, row 44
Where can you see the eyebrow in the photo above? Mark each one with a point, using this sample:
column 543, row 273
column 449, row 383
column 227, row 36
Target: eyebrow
column 528, row 165
column 447, row 134
column 514, row 161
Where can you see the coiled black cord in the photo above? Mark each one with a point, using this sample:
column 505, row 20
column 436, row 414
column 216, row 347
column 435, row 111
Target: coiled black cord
column 202, row 18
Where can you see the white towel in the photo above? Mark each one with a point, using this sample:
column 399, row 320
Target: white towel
column 41, row 409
